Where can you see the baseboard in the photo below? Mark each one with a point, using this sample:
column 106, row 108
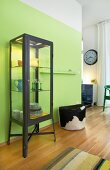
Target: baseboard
column 14, row 139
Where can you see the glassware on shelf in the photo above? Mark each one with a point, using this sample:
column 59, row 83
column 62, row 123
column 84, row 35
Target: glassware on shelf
column 36, row 85
column 35, row 107
column 19, row 84
column 35, row 110
column 21, row 115
column 16, row 114
column 41, row 86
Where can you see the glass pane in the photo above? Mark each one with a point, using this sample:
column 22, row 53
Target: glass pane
column 16, row 80
column 39, row 79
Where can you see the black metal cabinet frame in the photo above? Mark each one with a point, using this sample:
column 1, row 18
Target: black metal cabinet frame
column 26, row 89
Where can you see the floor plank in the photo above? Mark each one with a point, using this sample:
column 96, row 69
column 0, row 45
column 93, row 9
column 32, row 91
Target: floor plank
column 95, row 139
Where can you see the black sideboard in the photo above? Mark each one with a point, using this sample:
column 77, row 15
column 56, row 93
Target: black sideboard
column 88, row 94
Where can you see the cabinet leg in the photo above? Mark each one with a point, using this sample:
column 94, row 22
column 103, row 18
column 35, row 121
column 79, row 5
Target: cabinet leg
column 25, row 141
column 104, row 105
column 9, row 132
column 37, row 128
column 25, row 151
column 104, row 100
column 54, row 130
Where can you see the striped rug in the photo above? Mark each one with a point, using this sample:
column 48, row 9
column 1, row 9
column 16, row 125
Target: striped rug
column 75, row 159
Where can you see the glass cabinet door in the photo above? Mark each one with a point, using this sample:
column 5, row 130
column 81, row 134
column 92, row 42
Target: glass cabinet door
column 39, row 56
column 30, row 78
column 16, row 80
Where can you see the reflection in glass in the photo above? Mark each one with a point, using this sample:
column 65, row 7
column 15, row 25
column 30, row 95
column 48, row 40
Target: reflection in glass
column 39, row 83
column 16, row 80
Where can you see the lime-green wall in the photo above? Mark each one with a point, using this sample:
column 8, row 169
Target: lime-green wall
column 17, row 18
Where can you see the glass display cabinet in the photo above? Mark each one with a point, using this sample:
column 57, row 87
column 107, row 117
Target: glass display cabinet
column 31, row 85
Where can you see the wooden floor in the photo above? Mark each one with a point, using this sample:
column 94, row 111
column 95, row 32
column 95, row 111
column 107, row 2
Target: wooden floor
column 95, row 139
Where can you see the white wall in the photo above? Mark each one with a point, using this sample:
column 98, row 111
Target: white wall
column 66, row 11
column 92, row 12
column 89, row 42
column 95, row 11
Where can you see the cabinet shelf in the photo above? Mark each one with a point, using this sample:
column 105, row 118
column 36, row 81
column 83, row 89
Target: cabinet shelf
column 44, row 67
column 18, row 121
column 32, row 118
column 33, row 91
column 16, row 67
column 41, row 90
column 17, row 91
column 40, row 67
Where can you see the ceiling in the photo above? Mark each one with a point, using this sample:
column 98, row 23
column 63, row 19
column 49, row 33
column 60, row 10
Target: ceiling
column 84, row 2
column 94, row 11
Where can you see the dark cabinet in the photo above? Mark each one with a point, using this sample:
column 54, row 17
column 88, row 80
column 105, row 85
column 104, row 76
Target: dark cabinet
column 31, row 85
column 87, row 94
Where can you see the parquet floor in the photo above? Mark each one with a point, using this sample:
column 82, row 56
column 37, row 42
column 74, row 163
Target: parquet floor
column 95, row 139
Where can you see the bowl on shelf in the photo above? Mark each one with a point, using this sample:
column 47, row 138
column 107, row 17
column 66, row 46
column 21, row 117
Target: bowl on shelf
column 35, row 109
column 16, row 114
column 34, row 106
column 21, row 115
